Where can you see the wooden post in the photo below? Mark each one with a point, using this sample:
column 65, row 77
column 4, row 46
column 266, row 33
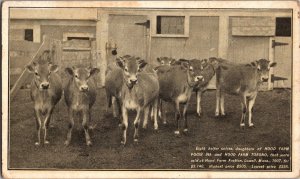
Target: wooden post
column 44, row 46
column 101, row 40
column 271, row 58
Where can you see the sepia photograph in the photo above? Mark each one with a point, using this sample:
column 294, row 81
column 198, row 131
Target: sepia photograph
column 153, row 89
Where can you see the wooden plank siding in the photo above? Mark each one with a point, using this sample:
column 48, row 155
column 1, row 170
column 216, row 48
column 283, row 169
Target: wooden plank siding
column 201, row 43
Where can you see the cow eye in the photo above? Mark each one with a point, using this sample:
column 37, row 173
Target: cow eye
column 76, row 76
column 126, row 69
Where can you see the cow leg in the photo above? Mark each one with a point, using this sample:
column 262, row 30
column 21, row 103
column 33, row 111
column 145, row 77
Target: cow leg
column 162, row 112
column 137, row 122
column 217, row 113
column 177, row 117
column 86, row 116
column 250, row 110
column 38, row 118
column 244, row 109
column 114, row 109
column 222, row 103
column 70, row 127
column 146, row 115
column 124, row 124
column 154, row 107
column 185, row 130
column 46, row 125
column 118, row 102
column 199, row 95
column 159, row 110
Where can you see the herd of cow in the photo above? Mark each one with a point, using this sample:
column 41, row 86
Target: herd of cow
column 132, row 84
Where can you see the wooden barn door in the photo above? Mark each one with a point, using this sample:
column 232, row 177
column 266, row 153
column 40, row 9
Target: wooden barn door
column 129, row 35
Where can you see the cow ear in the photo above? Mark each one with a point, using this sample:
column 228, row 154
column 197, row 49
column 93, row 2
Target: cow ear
column 69, row 70
column 158, row 59
column 53, row 68
column 173, row 61
column 142, row 64
column 186, row 65
column 30, row 68
column 120, row 62
column 273, row 64
column 254, row 63
column 94, row 71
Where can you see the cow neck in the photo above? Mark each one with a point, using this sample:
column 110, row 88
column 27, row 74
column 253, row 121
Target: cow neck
column 189, row 80
column 259, row 82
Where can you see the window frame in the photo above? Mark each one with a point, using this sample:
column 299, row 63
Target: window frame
column 186, row 26
column 291, row 29
column 32, row 31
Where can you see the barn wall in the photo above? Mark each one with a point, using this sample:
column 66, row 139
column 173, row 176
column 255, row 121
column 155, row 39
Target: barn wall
column 129, row 37
column 202, row 41
column 56, row 31
column 283, row 58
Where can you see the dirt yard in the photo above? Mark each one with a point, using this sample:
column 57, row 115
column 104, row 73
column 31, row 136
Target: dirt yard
column 156, row 150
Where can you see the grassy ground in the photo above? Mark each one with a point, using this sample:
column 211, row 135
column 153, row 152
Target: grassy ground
column 161, row 150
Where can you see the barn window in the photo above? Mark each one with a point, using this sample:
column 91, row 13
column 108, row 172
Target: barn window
column 170, row 26
column 283, row 26
column 28, row 35
column 78, row 38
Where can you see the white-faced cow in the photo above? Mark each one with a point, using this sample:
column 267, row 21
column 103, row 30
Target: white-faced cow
column 242, row 80
column 139, row 91
column 46, row 91
column 176, row 85
column 80, row 95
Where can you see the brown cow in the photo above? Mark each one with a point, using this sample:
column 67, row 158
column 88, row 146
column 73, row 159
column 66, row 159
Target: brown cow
column 46, row 91
column 242, row 80
column 139, row 91
column 176, row 86
column 80, row 95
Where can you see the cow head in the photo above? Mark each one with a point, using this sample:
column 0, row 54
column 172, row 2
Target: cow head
column 194, row 69
column 263, row 68
column 131, row 66
column 166, row 60
column 81, row 76
column 42, row 71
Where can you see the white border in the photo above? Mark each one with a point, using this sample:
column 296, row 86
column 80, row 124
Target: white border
column 154, row 174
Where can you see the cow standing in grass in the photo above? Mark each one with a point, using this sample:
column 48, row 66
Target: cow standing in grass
column 46, row 91
column 80, row 95
column 242, row 80
column 139, row 92
column 176, row 86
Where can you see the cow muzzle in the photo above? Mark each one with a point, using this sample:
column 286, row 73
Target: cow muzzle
column 44, row 85
column 84, row 88
column 264, row 79
column 199, row 78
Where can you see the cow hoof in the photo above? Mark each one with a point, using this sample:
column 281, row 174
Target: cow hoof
column 165, row 123
column 242, row 125
column 136, row 141
column 199, row 115
column 51, row 126
column 67, row 143
column 46, row 142
column 251, row 125
column 144, row 126
column 37, row 144
column 89, row 143
column 185, row 131
column 123, row 143
column 177, row 133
